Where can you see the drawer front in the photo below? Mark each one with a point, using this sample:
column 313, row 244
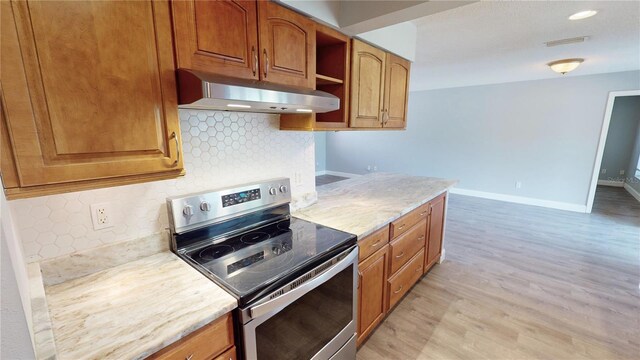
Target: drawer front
column 203, row 344
column 227, row 355
column 401, row 282
column 403, row 224
column 404, row 247
column 372, row 243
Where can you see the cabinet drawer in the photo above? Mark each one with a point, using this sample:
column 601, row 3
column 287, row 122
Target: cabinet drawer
column 401, row 282
column 403, row 224
column 373, row 243
column 227, row 355
column 408, row 244
column 203, row 344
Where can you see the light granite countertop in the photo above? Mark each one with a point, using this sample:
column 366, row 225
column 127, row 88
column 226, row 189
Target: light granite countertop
column 128, row 311
column 363, row 204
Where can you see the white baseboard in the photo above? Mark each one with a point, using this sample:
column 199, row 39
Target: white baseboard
column 321, row 172
column 338, row 173
column 614, row 183
column 632, row 191
column 521, row 200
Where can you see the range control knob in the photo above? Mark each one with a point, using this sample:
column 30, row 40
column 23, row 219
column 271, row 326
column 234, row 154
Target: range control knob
column 283, row 189
column 205, row 206
column 273, row 191
column 187, row 210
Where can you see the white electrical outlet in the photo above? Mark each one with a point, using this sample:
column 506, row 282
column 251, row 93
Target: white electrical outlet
column 518, row 185
column 603, row 171
column 297, row 178
column 368, row 167
column 375, row 167
column 621, row 172
column 101, row 216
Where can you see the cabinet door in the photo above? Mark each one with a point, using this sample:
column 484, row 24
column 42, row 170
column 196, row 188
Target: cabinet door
column 368, row 66
column 93, row 91
column 219, row 37
column 288, row 46
column 372, row 292
column 396, row 93
column 435, row 230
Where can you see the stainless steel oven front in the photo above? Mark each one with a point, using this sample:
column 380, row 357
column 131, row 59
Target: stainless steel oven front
column 312, row 317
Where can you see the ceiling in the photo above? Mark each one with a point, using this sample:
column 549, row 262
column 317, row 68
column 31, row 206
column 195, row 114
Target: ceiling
column 492, row 42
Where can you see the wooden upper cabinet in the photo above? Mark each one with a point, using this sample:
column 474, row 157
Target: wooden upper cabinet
column 89, row 90
column 396, row 93
column 287, row 46
column 217, row 36
column 368, row 66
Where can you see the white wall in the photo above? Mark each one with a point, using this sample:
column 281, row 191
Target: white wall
column 625, row 119
column 631, row 179
column 542, row 133
column 320, row 138
column 220, row 149
column 15, row 307
column 400, row 39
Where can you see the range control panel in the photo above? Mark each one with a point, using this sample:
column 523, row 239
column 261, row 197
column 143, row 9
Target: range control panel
column 195, row 210
column 240, row 197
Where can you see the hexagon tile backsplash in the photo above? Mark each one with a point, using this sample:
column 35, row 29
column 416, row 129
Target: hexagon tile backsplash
column 220, row 149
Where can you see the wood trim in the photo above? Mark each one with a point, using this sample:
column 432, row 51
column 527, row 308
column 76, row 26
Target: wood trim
column 42, row 190
column 8, row 170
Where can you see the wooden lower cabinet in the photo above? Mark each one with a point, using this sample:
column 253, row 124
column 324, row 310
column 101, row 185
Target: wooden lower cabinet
column 435, row 230
column 405, row 278
column 394, row 258
column 372, row 282
column 213, row 341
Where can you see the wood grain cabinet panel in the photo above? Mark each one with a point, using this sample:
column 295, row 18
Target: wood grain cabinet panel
column 368, row 66
column 435, row 230
column 288, row 45
column 396, row 93
column 405, row 278
column 372, row 243
column 403, row 224
column 93, row 91
column 209, row 342
column 220, row 37
column 372, row 284
column 404, row 247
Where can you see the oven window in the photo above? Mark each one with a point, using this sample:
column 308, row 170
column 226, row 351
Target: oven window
column 301, row 329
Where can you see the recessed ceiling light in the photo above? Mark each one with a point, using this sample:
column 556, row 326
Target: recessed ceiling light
column 582, row 15
column 565, row 65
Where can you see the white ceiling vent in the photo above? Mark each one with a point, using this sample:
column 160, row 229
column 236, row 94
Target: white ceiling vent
column 574, row 40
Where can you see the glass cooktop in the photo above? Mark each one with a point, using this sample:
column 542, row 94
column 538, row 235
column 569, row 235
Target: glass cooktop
column 250, row 262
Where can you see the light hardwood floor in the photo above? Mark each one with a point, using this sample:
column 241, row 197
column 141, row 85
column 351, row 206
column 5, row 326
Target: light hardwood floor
column 524, row 282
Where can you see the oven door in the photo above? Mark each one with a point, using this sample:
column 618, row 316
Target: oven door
column 315, row 319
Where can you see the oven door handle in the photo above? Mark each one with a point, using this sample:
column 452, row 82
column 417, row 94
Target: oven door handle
column 295, row 294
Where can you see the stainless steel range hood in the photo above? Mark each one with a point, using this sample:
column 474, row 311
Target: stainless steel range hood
column 198, row 90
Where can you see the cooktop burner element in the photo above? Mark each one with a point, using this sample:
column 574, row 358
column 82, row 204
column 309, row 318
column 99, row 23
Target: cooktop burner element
column 254, row 237
column 215, row 251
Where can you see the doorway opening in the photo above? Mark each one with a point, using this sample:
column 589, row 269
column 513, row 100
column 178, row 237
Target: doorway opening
column 618, row 156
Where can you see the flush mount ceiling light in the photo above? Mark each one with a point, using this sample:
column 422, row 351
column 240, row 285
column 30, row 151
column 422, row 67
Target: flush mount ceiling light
column 565, row 65
column 583, row 15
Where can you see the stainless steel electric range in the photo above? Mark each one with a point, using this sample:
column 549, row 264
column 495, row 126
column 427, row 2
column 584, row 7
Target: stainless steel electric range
column 295, row 281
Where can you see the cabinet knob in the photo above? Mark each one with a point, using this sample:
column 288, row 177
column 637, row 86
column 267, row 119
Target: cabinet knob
column 189, row 357
column 399, row 256
column 397, row 291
